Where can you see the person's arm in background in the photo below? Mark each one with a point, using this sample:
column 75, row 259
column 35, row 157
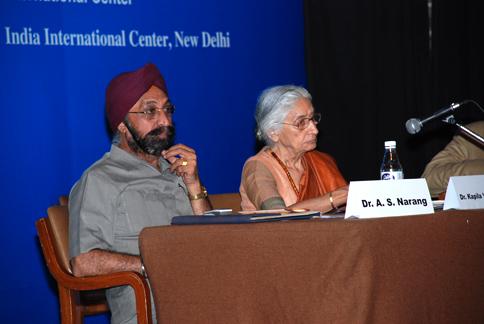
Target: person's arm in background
column 460, row 157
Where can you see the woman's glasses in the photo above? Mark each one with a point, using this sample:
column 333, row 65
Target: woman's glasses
column 303, row 123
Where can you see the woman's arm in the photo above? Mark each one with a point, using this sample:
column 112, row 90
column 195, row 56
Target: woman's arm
column 331, row 200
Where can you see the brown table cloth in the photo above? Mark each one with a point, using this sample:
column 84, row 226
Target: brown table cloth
column 414, row 269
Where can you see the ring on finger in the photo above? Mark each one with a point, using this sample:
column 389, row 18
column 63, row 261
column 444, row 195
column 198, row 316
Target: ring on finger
column 184, row 163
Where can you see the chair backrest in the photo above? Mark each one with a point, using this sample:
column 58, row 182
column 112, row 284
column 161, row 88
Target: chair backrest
column 63, row 200
column 226, row 200
column 59, row 225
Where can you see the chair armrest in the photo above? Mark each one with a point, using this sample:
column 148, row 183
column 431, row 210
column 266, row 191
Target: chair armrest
column 131, row 278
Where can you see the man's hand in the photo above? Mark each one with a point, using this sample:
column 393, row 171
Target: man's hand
column 183, row 161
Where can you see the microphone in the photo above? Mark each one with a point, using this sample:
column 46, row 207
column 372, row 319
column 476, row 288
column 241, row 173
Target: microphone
column 414, row 125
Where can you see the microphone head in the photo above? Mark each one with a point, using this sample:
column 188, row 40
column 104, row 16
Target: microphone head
column 413, row 125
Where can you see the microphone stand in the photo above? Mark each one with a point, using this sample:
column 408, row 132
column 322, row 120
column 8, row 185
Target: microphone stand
column 451, row 120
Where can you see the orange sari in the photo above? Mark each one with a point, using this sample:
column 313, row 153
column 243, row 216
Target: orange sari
column 263, row 178
column 322, row 176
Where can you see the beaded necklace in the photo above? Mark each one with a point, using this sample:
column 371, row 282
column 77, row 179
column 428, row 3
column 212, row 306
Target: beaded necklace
column 293, row 185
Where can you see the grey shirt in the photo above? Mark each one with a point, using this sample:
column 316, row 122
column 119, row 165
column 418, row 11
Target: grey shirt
column 113, row 201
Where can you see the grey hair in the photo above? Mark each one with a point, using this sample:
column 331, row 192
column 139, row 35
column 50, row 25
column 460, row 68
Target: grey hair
column 273, row 106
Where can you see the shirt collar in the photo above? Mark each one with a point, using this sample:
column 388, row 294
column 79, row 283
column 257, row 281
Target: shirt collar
column 118, row 154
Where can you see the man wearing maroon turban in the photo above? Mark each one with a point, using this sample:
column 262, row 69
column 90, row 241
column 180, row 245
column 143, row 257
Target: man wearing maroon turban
column 143, row 181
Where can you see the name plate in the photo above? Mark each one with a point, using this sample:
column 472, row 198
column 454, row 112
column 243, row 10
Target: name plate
column 465, row 192
column 382, row 198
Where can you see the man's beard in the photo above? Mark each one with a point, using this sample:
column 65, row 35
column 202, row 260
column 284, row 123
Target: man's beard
column 151, row 143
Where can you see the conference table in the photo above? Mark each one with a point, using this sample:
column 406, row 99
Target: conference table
column 412, row 269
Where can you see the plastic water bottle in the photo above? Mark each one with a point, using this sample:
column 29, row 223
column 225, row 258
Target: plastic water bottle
column 391, row 169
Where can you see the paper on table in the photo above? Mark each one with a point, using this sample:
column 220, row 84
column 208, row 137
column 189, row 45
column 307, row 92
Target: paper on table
column 340, row 214
column 276, row 211
column 306, row 214
column 266, row 211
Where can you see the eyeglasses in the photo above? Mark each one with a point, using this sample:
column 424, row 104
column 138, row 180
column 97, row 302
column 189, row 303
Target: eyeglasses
column 303, row 123
column 153, row 112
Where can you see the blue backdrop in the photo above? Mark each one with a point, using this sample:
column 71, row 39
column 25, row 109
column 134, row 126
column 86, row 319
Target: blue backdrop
column 56, row 58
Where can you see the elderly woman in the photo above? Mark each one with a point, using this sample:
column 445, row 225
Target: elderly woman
column 289, row 172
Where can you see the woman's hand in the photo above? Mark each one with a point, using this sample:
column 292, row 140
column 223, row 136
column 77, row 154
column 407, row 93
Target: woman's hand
column 340, row 196
column 323, row 203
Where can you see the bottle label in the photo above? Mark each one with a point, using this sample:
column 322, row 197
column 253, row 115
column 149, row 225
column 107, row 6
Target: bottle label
column 391, row 175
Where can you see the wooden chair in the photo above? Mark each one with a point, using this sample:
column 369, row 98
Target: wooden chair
column 63, row 200
column 93, row 301
column 226, row 200
column 74, row 302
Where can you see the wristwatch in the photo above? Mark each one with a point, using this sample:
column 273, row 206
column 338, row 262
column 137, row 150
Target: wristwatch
column 201, row 195
column 143, row 271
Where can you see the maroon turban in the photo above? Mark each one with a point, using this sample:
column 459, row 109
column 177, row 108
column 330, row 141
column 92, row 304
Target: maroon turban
column 125, row 90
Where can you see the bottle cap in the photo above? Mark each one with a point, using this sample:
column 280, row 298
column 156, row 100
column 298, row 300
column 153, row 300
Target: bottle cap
column 390, row 144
